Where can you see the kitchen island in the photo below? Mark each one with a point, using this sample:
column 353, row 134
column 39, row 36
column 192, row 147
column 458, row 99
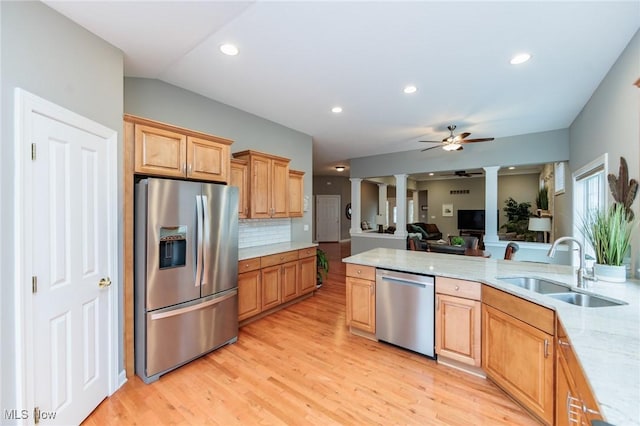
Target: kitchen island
column 605, row 339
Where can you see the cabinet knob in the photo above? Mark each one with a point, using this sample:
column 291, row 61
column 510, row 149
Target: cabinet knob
column 358, row 272
column 457, row 288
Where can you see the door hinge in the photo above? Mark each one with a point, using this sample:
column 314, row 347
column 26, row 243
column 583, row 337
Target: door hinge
column 34, row 284
column 36, row 415
column 33, row 151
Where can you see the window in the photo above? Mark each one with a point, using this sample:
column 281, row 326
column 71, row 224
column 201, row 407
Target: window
column 590, row 184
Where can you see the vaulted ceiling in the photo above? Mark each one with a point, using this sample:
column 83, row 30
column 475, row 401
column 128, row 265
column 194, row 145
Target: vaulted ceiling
column 297, row 60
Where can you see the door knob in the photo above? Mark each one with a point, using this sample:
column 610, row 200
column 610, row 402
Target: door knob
column 104, row 282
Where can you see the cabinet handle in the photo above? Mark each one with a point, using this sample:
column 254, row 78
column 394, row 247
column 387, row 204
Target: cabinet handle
column 563, row 343
column 373, row 289
column 437, row 303
column 189, row 169
column 184, row 169
column 546, row 348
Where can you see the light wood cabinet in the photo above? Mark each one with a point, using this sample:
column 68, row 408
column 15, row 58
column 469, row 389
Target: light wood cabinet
column 517, row 354
column 361, row 297
column 307, row 271
column 296, row 193
column 268, row 184
column 249, row 288
column 290, row 281
column 271, row 286
column 458, row 320
column 164, row 150
column 575, row 402
column 239, row 177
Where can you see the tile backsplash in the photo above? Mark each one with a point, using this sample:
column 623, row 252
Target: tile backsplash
column 260, row 232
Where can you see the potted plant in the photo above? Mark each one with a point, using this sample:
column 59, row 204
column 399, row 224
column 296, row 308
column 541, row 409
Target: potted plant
column 542, row 200
column 457, row 241
column 609, row 233
column 322, row 265
column 518, row 219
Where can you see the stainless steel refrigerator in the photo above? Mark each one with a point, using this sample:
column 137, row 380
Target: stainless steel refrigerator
column 186, row 272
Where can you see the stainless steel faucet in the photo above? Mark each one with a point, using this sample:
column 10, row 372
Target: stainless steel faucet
column 582, row 274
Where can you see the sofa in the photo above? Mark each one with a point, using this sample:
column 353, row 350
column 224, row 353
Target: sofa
column 429, row 231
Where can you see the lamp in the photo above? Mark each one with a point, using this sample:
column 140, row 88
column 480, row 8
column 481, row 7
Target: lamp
column 541, row 225
column 380, row 222
column 340, row 168
column 453, row 146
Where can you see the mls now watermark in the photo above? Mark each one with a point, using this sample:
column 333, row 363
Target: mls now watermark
column 38, row 415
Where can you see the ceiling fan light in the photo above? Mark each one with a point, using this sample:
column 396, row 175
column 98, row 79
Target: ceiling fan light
column 451, row 146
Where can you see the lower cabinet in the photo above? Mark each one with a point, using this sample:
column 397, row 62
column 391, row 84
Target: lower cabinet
column 575, row 403
column 518, row 350
column 267, row 282
column 361, row 298
column 458, row 320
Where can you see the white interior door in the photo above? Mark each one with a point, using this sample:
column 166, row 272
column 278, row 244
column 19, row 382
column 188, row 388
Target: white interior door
column 72, row 241
column 327, row 218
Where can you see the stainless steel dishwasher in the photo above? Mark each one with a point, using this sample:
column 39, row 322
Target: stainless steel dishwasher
column 405, row 310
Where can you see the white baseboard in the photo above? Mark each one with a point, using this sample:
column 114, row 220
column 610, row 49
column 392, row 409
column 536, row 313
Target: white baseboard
column 122, row 378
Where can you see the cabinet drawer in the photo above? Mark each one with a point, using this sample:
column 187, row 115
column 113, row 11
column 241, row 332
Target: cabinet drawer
column 248, row 265
column 360, row 271
column 458, row 288
column 276, row 259
column 306, row 252
column 529, row 312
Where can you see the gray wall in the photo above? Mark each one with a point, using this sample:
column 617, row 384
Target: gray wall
column 160, row 101
column 335, row 185
column 51, row 57
column 534, row 148
column 610, row 122
column 369, row 202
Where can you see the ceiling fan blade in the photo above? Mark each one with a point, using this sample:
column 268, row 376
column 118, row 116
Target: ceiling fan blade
column 460, row 149
column 431, row 141
column 477, row 140
column 431, row 147
column 463, row 135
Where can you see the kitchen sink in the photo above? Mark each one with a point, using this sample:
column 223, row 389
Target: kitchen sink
column 586, row 300
column 538, row 285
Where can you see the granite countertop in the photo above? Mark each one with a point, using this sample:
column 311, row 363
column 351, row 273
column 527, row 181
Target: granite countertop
column 606, row 339
column 266, row 250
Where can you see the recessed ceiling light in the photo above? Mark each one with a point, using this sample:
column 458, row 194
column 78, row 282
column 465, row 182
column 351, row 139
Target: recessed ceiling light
column 410, row 89
column 229, row 49
column 336, row 109
column 431, row 174
column 520, row 58
column 340, row 168
column 512, row 168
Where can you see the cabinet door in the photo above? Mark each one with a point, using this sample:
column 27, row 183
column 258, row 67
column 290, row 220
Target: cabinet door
column 249, row 294
column 260, row 187
column 458, row 329
column 159, row 151
column 280, row 189
column 238, row 178
column 361, row 304
column 289, row 281
column 519, row 358
column 271, row 293
column 296, row 193
column 207, row 160
column 308, row 275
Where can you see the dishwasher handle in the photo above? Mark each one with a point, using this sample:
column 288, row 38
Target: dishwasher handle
column 407, row 279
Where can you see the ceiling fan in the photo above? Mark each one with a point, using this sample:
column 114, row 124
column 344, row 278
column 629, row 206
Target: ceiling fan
column 454, row 143
column 463, row 173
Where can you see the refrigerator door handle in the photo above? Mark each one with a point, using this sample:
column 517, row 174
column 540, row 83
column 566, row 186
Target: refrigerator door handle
column 206, row 245
column 199, row 233
column 180, row 311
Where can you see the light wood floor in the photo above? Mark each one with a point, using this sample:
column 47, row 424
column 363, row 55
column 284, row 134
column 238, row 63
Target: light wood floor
column 301, row 366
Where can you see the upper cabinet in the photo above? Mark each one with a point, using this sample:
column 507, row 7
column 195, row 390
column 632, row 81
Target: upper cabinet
column 240, row 178
column 268, row 184
column 164, row 150
column 296, row 193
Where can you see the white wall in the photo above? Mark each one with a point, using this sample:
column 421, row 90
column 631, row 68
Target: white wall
column 49, row 56
column 610, row 122
column 160, row 101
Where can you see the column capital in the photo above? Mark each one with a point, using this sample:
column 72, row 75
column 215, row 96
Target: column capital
column 489, row 169
column 354, row 180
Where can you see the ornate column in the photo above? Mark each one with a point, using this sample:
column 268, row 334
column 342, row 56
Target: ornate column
column 491, row 204
column 356, row 199
column 401, row 205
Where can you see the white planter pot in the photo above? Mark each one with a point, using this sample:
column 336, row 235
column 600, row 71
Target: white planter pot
column 610, row 273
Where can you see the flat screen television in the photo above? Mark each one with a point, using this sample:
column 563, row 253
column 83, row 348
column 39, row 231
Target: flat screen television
column 471, row 220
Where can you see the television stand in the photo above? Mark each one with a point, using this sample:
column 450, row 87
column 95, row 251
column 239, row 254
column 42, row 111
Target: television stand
column 474, row 233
